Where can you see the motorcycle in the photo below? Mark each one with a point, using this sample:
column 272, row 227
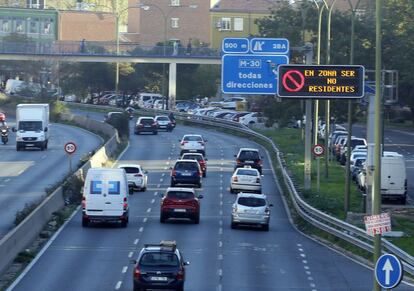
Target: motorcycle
column 4, row 135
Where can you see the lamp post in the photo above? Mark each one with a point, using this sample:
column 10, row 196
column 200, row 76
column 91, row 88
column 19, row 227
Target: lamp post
column 165, row 16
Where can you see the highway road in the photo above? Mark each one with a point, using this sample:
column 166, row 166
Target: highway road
column 25, row 175
column 397, row 140
column 98, row 258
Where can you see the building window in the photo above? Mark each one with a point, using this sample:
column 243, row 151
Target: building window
column 34, row 4
column 225, row 24
column 19, row 25
column 47, row 26
column 175, row 2
column 238, row 24
column 5, row 25
column 174, row 22
column 34, row 25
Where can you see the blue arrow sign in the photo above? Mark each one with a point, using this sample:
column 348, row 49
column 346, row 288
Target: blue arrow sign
column 388, row 271
column 235, row 45
column 250, row 74
column 269, row 46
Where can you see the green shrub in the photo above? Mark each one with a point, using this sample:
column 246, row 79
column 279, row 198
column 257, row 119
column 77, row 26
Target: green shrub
column 121, row 123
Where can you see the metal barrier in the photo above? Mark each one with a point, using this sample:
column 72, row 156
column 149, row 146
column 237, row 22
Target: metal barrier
column 331, row 225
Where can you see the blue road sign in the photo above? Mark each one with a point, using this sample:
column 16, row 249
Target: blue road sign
column 250, row 74
column 269, row 46
column 235, row 45
column 388, row 271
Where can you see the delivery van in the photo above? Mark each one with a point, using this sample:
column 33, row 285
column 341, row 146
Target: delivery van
column 393, row 177
column 105, row 196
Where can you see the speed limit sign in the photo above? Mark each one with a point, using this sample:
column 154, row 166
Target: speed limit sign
column 70, row 147
column 318, row 150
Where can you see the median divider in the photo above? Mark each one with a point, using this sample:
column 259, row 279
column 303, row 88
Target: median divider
column 20, row 237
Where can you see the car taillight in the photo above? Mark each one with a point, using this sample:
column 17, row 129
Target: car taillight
column 184, row 142
column 238, row 161
column 201, row 142
column 180, row 275
column 137, row 273
column 173, row 173
column 260, row 162
column 200, row 174
column 140, row 125
column 235, row 179
column 125, row 203
column 155, row 124
column 83, row 202
column 138, row 175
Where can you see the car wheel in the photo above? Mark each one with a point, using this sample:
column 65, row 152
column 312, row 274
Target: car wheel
column 197, row 218
column 144, row 189
column 233, row 225
column 163, row 218
column 204, row 174
column 46, row 145
column 403, row 200
column 180, row 288
column 232, row 190
column 265, row 227
column 155, row 132
column 124, row 223
column 172, row 184
column 85, row 222
column 199, row 185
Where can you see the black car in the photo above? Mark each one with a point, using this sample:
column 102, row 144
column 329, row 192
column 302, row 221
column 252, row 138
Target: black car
column 249, row 157
column 146, row 124
column 159, row 266
column 186, row 172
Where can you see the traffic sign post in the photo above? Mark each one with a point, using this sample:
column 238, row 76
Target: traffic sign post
column 250, row 74
column 320, row 82
column 70, row 148
column 388, row 271
column 318, row 150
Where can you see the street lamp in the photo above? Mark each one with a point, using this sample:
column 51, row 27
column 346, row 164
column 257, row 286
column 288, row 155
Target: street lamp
column 165, row 16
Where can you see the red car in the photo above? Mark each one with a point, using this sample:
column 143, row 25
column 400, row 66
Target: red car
column 180, row 203
column 199, row 158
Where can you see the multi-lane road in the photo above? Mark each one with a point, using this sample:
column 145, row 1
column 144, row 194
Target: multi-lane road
column 98, row 258
column 25, row 175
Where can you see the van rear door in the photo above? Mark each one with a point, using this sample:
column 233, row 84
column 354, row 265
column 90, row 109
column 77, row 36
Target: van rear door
column 114, row 198
column 393, row 176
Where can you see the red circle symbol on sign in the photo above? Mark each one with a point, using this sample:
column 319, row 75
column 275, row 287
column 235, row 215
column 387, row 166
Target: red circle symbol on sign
column 70, row 147
column 318, row 150
column 293, row 81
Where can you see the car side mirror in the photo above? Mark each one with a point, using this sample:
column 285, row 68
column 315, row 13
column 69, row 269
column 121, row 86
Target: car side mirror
column 200, row 196
column 14, row 129
column 132, row 261
column 186, row 263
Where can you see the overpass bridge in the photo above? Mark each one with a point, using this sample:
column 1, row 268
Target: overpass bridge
column 109, row 52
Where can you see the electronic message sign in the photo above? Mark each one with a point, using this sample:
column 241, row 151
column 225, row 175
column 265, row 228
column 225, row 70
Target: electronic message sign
column 320, row 82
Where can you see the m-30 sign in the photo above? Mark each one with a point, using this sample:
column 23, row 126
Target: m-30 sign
column 320, row 82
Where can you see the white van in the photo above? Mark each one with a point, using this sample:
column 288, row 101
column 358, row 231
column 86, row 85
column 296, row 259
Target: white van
column 393, row 177
column 105, row 196
column 145, row 98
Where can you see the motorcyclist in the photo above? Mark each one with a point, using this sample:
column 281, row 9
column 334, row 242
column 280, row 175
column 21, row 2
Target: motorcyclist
column 3, row 124
column 172, row 118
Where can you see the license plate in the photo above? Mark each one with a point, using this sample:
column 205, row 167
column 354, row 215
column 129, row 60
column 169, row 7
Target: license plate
column 147, row 126
column 29, row 144
column 249, row 162
column 159, row 278
column 186, row 174
column 179, row 210
column 193, row 150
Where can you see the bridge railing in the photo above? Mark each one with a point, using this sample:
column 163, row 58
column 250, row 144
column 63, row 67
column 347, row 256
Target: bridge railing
column 104, row 49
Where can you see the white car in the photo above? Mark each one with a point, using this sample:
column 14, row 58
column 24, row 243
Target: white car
column 251, row 209
column 193, row 143
column 246, row 179
column 252, row 118
column 231, row 103
column 137, row 177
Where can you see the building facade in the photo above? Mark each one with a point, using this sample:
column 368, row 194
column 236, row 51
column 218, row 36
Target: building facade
column 236, row 18
column 156, row 21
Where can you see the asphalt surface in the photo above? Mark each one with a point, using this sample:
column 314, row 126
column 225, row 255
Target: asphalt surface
column 98, row 257
column 397, row 140
column 25, row 175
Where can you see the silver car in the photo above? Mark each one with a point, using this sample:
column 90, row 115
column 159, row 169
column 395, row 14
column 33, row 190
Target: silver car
column 251, row 209
column 246, row 179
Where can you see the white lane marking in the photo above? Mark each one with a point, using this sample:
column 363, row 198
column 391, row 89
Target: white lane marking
column 312, row 285
column 136, row 241
column 2, row 185
column 304, row 261
column 221, row 203
column 303, row 255
column 221, row 222
column 158, row 185
column 306, row 267
column 301, row 250
column 149, row 209
column 7, row 180
column 169, row 158
column 124, row 269
column 221, row 212
column 43, row 157
column 145, row 219
column 141, row 229
column 221, row 175
column 220, row 244
column 130, row 254
column 220, row 230
column 220, row 257
column 153, row 200
column 219, row 287
column 118, row 285
column 163, row 174
column 161, row 180
column 221, row 188
column 299, row 245
column 221, row 195
column 220, row 272
column 310, row 278
column 155, row 193
column 222, row 164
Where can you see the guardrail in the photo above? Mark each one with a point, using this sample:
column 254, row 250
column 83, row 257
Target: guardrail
column 331, row 225
column 26, row 232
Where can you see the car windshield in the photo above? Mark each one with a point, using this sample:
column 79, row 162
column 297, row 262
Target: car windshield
column 359, row 162
column 146, row 121
column 30, row 125
column 193, row 138
column 249, row 155
column 187, row 166
column 180, row 195
column 246, row 172
column 355, row 142
column 163, row 118
column 159, row 259
column 251, row 201
column 131, row 170
column 193, row 157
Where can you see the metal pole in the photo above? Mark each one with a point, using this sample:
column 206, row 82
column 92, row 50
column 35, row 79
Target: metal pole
column 308, row 127
column 117, row 51
column 163, row 64
column 376, row 187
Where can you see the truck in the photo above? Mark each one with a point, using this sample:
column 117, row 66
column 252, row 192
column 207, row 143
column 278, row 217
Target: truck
column 32, row 126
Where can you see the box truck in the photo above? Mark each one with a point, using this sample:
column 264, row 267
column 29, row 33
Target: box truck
column 32, row 126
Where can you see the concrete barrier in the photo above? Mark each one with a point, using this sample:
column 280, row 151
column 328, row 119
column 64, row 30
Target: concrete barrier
column 20, row 237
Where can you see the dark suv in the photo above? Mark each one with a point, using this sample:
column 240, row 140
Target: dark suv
column 159, row 266
column 249, row 157
column 146, row 124
column 186, row 172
